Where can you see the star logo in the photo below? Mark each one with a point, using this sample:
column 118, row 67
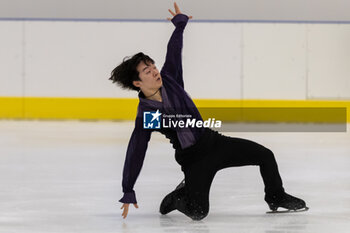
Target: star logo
column 151, row 120
column 156, row 115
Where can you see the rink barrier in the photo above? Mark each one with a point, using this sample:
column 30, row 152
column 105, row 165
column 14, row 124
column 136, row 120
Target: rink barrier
column 125, row 109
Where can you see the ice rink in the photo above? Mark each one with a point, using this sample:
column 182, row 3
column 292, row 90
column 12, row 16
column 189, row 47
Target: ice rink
column 65, row 176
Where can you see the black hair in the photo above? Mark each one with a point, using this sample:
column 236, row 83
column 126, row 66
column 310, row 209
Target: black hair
column 125, row 73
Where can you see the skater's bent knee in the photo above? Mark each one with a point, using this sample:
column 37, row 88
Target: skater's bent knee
column 199, row 214
column 267, row 155
column 198, row 211
column 268, row 152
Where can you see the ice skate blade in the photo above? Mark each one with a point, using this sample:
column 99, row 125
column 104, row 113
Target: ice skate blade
column 287, row 211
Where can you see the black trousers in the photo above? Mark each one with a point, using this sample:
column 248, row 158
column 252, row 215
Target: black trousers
column 212, row 153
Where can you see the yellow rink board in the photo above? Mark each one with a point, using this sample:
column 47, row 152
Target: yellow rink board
column 125, row 109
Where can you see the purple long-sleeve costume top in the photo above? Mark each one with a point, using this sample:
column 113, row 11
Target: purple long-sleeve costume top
column 174, row 100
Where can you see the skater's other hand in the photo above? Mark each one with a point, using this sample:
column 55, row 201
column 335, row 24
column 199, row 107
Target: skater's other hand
column 125, row 206
column 177, row 11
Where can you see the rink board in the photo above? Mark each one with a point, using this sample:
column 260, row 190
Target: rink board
column 125, row 109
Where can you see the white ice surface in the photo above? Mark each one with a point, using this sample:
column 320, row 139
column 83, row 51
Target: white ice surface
column 66, row 177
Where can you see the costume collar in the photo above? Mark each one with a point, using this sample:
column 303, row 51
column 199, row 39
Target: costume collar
column 153, row 103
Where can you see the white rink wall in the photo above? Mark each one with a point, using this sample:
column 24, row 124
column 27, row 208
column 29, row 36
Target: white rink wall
column 224, row 60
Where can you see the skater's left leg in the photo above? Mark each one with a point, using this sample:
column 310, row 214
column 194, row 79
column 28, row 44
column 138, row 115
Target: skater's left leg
column 232, row 152
column 240, row 152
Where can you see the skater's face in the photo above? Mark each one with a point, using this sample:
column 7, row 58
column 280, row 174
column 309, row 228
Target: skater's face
column 149, row 75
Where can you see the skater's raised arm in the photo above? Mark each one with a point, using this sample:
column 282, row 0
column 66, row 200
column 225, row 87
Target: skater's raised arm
column 173, row 61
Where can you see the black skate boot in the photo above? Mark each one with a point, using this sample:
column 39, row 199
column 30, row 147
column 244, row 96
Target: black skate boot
column 168, row 203
column 196, row 207
column 289, row 202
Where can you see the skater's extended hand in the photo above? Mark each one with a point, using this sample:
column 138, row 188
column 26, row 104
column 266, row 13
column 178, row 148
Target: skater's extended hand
column 125, row 206
column 177, row 11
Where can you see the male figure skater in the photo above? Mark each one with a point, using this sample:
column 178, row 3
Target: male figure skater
column 201, row 152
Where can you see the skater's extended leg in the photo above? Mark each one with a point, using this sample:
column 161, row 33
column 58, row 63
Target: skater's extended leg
column 241, row 152
column 233, row 152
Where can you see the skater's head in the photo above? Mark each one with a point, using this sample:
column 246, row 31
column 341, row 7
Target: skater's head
column 137, row 73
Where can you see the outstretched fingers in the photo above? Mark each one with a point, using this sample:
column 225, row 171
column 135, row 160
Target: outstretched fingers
column 177, row 11
column 125, row 206
column 171, row 12
column 126, row 210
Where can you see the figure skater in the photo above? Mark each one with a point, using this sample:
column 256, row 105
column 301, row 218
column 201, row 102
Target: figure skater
column 201, row 152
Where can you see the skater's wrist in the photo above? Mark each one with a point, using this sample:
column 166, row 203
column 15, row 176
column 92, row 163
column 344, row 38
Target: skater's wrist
column 129, row 197
column 180, row 20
